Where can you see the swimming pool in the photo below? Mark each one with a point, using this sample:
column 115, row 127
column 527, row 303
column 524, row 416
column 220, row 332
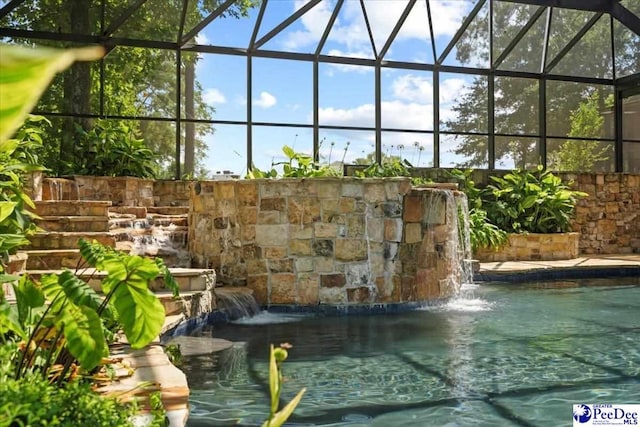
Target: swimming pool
column 504, row 356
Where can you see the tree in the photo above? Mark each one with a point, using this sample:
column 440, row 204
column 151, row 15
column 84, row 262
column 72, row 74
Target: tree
column 577, row 155
column 138, row 81
column 516, row 99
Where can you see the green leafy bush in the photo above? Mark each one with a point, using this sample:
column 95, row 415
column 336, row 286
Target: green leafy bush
column 63, row 325
column 111, row 148
column 482, row 232
column 296, row 165
column 530, row 201
column 33, row 401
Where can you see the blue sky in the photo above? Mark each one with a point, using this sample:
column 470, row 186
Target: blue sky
column 283, row 89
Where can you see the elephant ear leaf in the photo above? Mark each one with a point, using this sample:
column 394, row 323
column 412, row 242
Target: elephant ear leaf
column 139, row 311
column 84, row 334
column 24, row 75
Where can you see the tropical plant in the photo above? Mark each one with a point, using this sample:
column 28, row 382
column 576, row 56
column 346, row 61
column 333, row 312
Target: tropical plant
column 393, row 166
column 482, row 232
column 296, row 165
column 62, row 324
column 111, row 148
column 34, row 401
column 276, row 357
column 530, row 201
column 24, row 75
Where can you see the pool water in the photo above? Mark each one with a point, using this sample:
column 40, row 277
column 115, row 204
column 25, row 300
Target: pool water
column 516, row 355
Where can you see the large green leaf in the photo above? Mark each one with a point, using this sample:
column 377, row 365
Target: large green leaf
column 6, row 209
column 84, row 334
column 138, row 309
column 73, row 288
column 24, row 75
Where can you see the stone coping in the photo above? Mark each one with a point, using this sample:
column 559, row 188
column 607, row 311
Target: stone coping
column 614, row 265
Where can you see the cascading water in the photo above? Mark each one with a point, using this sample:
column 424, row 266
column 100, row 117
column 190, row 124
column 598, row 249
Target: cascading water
column 451, row 208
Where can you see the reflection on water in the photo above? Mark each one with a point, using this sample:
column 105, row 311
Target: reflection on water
column 502, row 356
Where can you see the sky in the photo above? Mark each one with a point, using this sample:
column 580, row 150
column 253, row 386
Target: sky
column 283, row 89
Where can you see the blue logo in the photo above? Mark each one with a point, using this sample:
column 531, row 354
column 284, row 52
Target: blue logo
column 582, row 413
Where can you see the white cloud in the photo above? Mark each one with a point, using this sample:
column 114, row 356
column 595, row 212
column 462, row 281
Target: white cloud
column 411, row 106
column 413, row 88
column 201, row 38
column 266, row 100
column 350, row 33
column 213, row 96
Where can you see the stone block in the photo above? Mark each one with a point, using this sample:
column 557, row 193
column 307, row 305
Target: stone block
column 412, row 208
column 273, row 204
column 283, row 289
column 332, row 295
column 271, row 235
column 248, row 215
column 269, row 217
column 374, row 192
column 359, row 295
column 335, row 280
column 322, row 247
column 274, row 252
column 375, row 229
column 393, row 229
column 281, row 265
column 303, row 210
column 324, row 264
column 256, row 266
column 325, row 230
column 303, row 265
column 355, row 226
column 300, row 247
column 413, row 232
column 247, row 192
column 260, row 286
column 301, row 232
column 248, row 233
column 308, row 289
column 351, row 249
column 352, row 189
column 329, row 189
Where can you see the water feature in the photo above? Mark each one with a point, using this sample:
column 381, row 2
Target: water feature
column 511, row 355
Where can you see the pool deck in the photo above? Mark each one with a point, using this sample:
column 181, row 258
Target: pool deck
column 583, row 266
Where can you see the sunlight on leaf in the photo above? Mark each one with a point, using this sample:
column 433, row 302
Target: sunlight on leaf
column 25, row 73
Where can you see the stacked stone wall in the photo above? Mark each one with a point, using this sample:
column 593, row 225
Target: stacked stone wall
column 608, row 219
column 321, row 241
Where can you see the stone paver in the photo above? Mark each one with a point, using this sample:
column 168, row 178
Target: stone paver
column 591, row 261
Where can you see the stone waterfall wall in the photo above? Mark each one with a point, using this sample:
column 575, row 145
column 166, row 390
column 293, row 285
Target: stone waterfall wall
column 323, row 240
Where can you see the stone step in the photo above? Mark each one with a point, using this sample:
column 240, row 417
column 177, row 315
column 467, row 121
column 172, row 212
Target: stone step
column 168, row 210
column 136, row 211
column 53, row 259
column 188, row 279
column 72, row 207
column 68, row 240
column 73, row 223
column 158, row 220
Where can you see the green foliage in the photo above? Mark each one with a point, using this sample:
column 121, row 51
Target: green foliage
column 111, row 148
column 24, row 75
column 535, row 202
column 393, row 166
column 33, row 401
column 277, row 418
column 296, row 165
column 482, row 232
column 158, row 412
column 15, row 218
column 581, row 155
column 63, row 325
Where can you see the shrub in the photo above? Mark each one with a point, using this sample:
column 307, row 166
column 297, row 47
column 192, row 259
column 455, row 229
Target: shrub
column 33, row 401
column 530, row 201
